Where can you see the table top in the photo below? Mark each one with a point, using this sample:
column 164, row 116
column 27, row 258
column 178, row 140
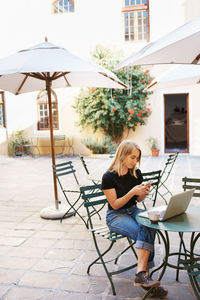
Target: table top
column 186, row 222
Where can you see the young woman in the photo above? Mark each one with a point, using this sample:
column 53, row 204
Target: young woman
column 122, row 186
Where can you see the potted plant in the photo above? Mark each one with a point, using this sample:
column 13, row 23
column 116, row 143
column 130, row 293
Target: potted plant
column 153, row 144
column 18, row 144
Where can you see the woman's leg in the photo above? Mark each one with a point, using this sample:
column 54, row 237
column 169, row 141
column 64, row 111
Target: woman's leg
column 122, row 222
column 143, row 257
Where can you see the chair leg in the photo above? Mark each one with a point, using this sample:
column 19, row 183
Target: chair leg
column 74, row 209
column 127, row 248
column 100, row 257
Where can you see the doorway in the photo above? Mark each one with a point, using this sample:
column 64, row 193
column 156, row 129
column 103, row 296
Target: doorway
column 176, row 123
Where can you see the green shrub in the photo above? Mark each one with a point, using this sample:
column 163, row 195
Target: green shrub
column 111, row 111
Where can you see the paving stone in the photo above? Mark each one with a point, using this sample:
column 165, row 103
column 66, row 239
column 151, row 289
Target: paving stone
column 54, row 266
column 21, row 293
column 71, row 296
column 10, row 276
column 49, row 234
column 17, row 262
column 9, row 241
column 62, row 254
column 41, row 279
column 41, row 243
column 3, row 290
column 76, row 284
column 27, row 252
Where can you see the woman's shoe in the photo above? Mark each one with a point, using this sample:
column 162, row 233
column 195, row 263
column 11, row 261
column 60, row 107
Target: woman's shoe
column 143, row 280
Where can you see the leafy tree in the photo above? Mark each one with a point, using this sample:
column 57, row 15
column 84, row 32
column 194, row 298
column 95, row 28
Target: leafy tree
column 113, row 110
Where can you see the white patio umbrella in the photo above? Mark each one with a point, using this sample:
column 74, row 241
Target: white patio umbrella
column 46, row 66
column 181, row 75
column 181, row 46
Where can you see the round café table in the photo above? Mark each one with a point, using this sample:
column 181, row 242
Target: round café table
column 186, row 222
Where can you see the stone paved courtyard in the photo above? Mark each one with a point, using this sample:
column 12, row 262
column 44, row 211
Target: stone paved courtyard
column 45, row 259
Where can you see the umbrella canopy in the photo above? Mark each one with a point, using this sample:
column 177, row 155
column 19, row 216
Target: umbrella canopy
column 25, row 71
column 47, row 66
column 181, row 75
column 181, row 46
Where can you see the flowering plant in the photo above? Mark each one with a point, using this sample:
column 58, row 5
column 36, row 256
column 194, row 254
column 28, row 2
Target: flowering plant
column 113, row 110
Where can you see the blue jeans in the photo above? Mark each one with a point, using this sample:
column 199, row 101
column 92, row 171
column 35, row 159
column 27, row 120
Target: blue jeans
column 123, row 221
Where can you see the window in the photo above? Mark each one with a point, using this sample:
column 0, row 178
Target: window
column 43, row 110
column 136, row 20
column 63, row 6
column 2, row 110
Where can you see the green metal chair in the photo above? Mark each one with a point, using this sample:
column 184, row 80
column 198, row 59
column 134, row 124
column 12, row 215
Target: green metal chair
column 94, row 197
column 188, row 184
column 154, row 177
column 192, row 266
column 86, row 168
column 165, row 175
column 61, row 171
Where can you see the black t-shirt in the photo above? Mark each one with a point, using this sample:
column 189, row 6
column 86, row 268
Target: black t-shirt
column 122, row 185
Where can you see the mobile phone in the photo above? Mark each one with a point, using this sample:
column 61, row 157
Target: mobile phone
column 148, row 182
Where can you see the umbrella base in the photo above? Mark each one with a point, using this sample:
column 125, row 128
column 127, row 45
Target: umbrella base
column 53, row 214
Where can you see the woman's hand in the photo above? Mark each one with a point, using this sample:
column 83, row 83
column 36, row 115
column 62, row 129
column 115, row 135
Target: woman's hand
column 142, row 191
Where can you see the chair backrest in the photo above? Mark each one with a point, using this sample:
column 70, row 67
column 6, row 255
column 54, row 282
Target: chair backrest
column 59, row 137
column 94, row 200
column 191, row 183
column 84, row 164
column 168, row 166
column 154, row 177
column 62, row 169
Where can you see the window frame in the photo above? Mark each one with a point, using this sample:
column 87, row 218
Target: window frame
column 46, row 102
column 64, row 11
column 136, row 8
column 2, row 102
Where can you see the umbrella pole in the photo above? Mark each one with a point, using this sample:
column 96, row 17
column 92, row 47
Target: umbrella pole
column 48, row 89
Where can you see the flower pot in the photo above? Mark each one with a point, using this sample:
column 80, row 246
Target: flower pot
column 155, row 152
column 20, row 150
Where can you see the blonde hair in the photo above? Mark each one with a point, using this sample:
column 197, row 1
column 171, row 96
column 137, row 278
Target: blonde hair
column 125, row 148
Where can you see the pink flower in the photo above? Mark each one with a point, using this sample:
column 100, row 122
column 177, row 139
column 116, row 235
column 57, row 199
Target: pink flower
column 139, row 115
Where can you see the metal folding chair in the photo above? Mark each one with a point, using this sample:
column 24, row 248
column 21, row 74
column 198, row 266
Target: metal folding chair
column 61, row 171
column 192, row 266
column 94, row 197
column 85, row 167
column 188, row 184
column 154, row 177
column 165, row 175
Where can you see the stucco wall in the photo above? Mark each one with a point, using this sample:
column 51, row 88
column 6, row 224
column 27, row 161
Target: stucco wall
column 26, row 23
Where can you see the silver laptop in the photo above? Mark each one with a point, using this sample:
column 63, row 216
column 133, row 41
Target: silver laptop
column 177, row 205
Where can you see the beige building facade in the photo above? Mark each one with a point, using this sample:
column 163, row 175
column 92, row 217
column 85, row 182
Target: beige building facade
column 79, row 26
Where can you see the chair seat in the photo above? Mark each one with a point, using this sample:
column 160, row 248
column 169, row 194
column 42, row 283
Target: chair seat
column 74, row 188
column 106, row 233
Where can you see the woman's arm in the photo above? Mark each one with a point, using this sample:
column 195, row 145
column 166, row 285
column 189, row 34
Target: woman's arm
column 139, row 190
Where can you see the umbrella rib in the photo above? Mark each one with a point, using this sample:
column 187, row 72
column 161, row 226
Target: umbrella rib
column 21, row 85
column 195, row 61
column 36, row 75
column 61, row 74
column 122, row 84
column 68, row 84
